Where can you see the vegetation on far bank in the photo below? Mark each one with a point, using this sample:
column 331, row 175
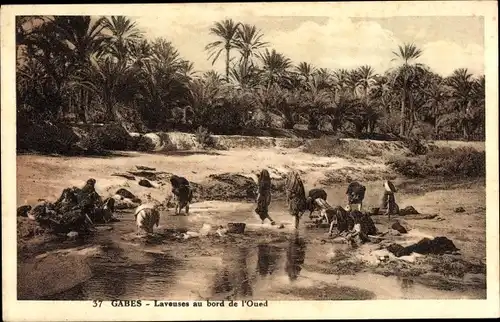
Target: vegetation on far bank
column 103, row 70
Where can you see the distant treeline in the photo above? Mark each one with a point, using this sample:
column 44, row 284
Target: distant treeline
column 102, row 69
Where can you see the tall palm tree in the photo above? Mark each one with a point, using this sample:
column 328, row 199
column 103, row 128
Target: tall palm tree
column 226, row 30
column 124, row 33
column 81, row 34
column 407, row 54
column 248, row 42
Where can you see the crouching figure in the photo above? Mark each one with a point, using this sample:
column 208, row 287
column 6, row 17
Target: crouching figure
column 146, row 217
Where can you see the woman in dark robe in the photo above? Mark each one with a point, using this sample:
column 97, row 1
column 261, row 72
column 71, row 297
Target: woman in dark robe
column 295, row 196
column 264, row 196
column 355, row 194
column 389, row 200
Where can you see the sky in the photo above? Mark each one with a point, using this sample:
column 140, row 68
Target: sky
column 448, row 42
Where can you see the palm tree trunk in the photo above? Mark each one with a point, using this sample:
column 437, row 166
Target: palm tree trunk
column 81, row 105
column 403, row 118
column 227, row 62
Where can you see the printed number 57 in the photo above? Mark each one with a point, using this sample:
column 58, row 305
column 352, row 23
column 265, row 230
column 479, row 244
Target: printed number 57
column 97, row 303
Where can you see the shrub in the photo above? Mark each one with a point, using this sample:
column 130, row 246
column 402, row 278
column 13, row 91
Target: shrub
column 292, row 143
column 114, row 137
column 440, row 162
column 204, row 138
column 91, row 144
column 45, row 137
column 416, row 145
column 142, row 143
column 325, row 146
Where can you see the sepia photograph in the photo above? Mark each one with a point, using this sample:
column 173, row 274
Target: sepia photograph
column 210, row 155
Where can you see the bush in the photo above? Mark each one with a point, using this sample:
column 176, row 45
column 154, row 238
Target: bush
column 142, row 143
column 114, row 137
column 292, row 143
column 334, row 146
column 442, row 162
column 423, row 130
column 45, row 137
column 91, row 144
column 415, row 145
column 325, row 146
column 204, row 138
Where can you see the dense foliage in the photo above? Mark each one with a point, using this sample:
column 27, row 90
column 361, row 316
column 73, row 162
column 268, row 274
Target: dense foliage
column 102, row 69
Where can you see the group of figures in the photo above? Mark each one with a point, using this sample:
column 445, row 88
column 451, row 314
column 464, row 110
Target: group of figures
column 316, row 199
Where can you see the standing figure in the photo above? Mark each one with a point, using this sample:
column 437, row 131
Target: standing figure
column 295, row 196
column 355, row 194
column 182, row 192
column 264, row 196
column 388, row 199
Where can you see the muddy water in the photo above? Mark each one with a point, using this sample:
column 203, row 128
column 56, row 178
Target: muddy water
column 131, row 270
column 253, row 268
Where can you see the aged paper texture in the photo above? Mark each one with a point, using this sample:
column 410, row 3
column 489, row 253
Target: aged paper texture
column 250, row 161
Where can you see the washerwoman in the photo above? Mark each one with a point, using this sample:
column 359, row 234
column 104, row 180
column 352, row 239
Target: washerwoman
column 264, row 196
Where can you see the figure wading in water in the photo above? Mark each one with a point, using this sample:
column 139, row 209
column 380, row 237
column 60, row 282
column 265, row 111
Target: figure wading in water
column 388, row 199
column 295, row 196
column 355, row 194
column 264, row 196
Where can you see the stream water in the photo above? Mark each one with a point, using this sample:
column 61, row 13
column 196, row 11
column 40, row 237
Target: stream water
column 261, row 271
column 126, row 269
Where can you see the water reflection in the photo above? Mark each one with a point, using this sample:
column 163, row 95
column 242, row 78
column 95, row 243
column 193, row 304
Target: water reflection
column 116, row 277
column 233, row 279
column 267, row 259
column 406, row 285
column 295, row 256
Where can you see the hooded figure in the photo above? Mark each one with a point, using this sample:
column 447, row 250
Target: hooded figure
column 183, row 193
column 388, row 199
column 355, row 194
column 296, row 196
column 264, row 196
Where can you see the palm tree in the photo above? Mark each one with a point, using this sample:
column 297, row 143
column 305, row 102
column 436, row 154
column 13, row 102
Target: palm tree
column 213, row 77
column 248, row 42
column 364, row 79
column 343, row 82
column 139, row 52
column 461, row 84
column 82, row 35
column 407, row 53
column 124, row 34
column 245, row 76
column 108, row 79
column 305, row 71
column 314, row 102
column 274, row 99
column 275, row 67
column 435, row 96
column 226, row 30
column 382, row 93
